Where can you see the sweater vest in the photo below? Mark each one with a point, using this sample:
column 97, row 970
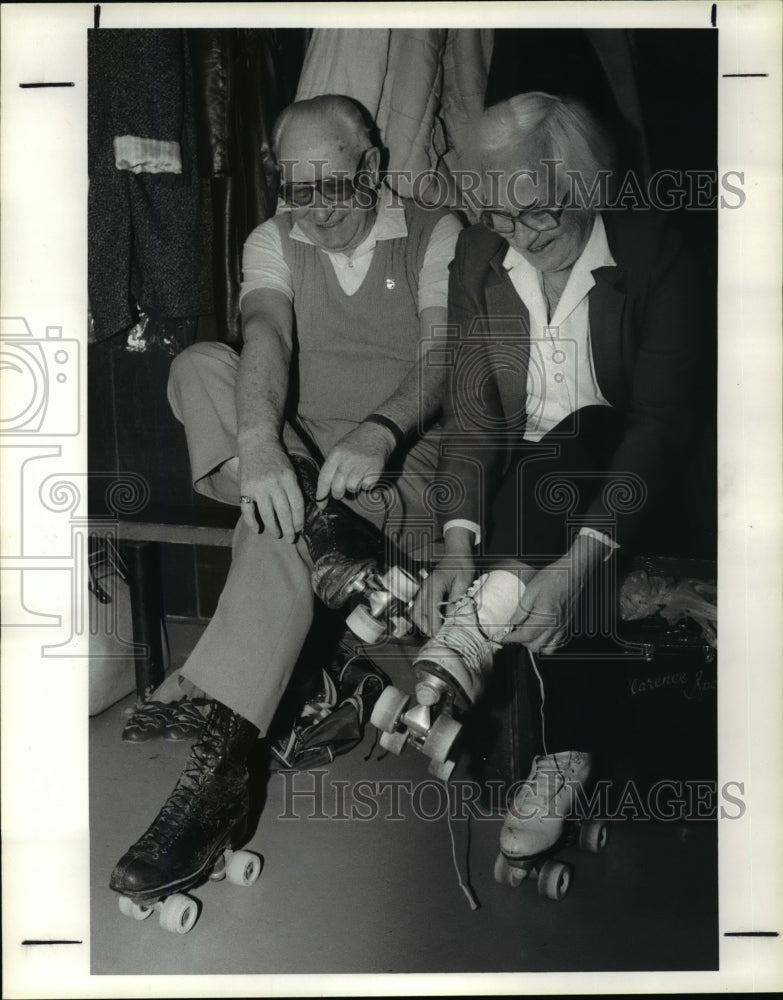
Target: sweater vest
column 353, row 351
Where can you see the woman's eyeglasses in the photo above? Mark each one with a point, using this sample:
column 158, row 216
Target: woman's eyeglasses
column 540, row 220
column 335, row 190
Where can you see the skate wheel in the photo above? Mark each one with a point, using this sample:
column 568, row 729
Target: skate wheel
column 554, row 879
column 178, row 914
column 136, row 910
column 393, row 742
column 593, row 836
column 388, row 709
column 441, row 770
column 400, row 584
column 440, row 739
column 364, row 626
column 506, row 874
column 243, row 868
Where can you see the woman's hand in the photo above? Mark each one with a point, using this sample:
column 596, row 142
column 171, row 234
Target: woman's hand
column 447, row 582
column 551, row 596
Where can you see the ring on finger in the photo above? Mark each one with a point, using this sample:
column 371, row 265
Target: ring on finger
column 246, row 499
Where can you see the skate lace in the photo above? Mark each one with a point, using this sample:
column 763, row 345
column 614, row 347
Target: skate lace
column 180, row 804
column 551, row 775
column 466, row 637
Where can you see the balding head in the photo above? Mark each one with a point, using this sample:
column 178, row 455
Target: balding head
column 331, row 120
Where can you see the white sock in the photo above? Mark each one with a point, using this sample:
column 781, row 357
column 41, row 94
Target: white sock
column 497, row 596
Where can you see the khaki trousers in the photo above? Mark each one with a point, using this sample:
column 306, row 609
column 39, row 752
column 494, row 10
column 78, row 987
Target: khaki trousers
column 248, row 651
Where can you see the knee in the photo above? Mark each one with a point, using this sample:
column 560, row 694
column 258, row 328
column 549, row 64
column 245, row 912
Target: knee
column 199, row 356
column 198, row 364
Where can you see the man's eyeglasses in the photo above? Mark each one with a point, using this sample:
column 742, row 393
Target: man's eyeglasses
column 335, row 190
column 540, row 220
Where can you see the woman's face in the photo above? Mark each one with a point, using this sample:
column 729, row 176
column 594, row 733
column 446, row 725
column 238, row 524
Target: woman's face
column 552, row 249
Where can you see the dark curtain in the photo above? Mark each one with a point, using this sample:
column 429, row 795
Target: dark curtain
column 167, row 247
column 597, row 67
column 244, row 78
column 150, row 246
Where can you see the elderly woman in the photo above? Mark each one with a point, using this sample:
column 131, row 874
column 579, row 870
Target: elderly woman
column 573, row 346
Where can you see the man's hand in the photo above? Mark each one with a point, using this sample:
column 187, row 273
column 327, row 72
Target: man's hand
column 355, row 463
column 267, row 475
column 551, row 596
column 447, row 582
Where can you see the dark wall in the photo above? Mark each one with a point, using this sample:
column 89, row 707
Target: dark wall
column 132, row 428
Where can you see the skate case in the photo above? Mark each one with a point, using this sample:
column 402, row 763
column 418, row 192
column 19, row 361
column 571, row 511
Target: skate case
column 553, row 877
column 177, row 911
column 384, row 599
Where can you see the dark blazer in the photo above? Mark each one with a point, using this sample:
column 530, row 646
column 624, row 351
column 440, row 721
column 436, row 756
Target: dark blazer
column 644, row 331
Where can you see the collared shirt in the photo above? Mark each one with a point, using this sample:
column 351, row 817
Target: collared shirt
column 264, row 265
column 561, row 375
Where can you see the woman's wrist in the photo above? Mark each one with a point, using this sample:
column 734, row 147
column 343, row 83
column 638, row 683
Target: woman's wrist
column 458, row 539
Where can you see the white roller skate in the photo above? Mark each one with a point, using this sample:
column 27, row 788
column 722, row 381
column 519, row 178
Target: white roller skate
column 541, row 820
column 450, row 670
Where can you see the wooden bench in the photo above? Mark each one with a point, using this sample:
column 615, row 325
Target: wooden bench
column 141, row 534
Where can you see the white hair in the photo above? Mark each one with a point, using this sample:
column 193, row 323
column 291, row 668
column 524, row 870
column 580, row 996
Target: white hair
column 530, row 128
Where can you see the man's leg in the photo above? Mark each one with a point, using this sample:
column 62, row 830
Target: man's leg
column 201, row 392
column 245, row 656
column 413, row 520
column 529, row 528
column 243, row 661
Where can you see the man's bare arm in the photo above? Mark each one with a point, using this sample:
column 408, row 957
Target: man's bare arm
column 265, row 470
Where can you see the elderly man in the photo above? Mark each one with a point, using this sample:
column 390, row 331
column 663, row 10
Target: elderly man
column 574, row 343
column 340, row 292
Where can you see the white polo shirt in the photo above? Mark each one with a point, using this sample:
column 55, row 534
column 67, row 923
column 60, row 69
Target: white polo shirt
column 264, row 265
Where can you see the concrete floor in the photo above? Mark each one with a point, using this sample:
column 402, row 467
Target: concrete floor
column 380, row 895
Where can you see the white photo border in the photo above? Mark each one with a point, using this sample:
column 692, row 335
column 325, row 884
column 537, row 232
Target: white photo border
column 44, row 261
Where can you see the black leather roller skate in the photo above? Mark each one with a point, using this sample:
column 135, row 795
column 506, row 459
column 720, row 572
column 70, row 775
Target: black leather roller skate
column 347, row 553
column 194, row 836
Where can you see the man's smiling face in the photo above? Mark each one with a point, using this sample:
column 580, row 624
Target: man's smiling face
column 312, row 149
